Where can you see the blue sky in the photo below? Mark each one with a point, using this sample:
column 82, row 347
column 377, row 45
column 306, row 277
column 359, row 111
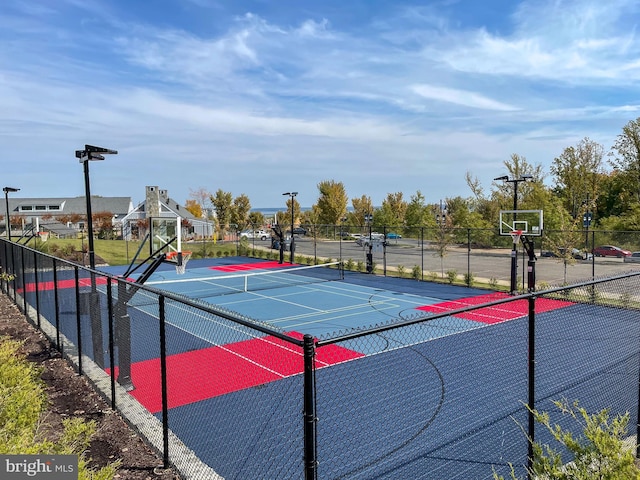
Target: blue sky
column 268, row 96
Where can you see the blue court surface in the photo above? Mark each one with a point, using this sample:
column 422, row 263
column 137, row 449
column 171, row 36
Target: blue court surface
column 447, row 405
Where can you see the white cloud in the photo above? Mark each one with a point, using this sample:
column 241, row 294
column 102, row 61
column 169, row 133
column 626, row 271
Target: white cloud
column 460, row 97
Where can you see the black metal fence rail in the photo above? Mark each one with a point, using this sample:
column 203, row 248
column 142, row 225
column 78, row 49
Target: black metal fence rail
column 419, row 397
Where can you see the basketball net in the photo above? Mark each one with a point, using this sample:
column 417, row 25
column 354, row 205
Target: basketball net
column 515, row 236
column 181, row 268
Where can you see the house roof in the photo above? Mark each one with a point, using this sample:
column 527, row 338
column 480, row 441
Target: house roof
column 68, row 205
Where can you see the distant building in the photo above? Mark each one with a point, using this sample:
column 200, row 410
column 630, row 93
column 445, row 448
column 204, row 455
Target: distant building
column 66, row 217
column 158, row 204
column 61, row 217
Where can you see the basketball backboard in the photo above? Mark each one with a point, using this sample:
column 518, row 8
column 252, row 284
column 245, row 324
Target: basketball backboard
column 530, row 222
column 165, row 234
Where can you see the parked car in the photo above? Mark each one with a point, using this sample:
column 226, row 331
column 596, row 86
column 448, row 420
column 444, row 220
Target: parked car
column 365, row 241
column 299, row 231
column 610, row 251
column 393, row 236
column 633, row 258
column 261, row 234
column 575, row 253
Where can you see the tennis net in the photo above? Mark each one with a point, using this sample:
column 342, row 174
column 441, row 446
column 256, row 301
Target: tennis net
column 203, row 287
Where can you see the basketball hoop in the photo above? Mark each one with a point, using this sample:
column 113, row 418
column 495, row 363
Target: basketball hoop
column 515, row 236
column 181, row 266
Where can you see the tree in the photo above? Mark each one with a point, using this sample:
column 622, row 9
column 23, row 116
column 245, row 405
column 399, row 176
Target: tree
column 203, row 198
column 332, row 202
column 626, row 153
column 240, row 211
column 223, row 206
column 392, row 212
column 503, row 192
column 361, row 206
column 576, row 172
column 194, row 208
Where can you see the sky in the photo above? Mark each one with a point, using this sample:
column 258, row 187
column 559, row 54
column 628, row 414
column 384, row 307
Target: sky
column 264, row 97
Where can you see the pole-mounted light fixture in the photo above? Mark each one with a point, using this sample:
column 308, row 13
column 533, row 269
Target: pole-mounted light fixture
column 291, row 241
column 92, row 153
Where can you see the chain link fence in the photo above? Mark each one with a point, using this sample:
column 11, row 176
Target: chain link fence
column 431, row 395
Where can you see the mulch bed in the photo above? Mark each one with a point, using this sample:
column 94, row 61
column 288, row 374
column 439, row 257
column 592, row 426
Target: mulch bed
column 70, row 395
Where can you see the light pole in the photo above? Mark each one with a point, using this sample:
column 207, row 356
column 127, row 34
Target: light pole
column 91, row 153
column 514, row 253
column 368, row 218
column 6, row 191
column 291, row 242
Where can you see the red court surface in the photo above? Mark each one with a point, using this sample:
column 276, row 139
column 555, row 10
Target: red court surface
column 497, row 313
column 243, row 267
column 218, row 370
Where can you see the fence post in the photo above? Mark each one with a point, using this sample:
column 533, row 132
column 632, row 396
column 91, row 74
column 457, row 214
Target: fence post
column 531, row 374
column 309, row 414
column 111, row 343
column 78, row 318
column 163, row 380
column 36, row 287
column 56, row 303
column 23, row 281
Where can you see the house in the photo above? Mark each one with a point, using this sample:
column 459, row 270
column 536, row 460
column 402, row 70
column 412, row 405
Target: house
column 158, row 204
column 113, row 217
column 63, row 217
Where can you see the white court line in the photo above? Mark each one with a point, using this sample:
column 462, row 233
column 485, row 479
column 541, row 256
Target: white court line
column 225, row 325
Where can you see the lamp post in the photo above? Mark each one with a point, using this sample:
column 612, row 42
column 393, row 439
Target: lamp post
column 291, row 242
column 92, row 153
column 6, row 191
column 368, row 218
column 514, row 253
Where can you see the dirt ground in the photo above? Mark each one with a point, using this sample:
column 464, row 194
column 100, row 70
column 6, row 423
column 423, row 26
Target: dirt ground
column 71, row 395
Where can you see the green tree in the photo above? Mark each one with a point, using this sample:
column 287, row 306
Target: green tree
column 626, row 156
column 576, row 172
column 392, row 212
column 361, row 207
column 332, row 202
column 417, row 213
column 240, row 211
column 223, row 206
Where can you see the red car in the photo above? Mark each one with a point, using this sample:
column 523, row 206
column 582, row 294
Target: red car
column 610, row 251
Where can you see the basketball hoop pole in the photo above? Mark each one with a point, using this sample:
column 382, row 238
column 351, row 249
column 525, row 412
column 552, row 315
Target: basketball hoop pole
column 514, row 252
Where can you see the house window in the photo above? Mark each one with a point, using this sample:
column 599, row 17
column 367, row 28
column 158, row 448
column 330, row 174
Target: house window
column 41, row 207
column 54, row 207
column 26, row 208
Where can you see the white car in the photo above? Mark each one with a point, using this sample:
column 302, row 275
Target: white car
column 261, row 234
column 633, row 258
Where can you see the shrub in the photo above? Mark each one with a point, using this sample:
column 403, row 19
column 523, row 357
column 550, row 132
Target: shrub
column 599, row 452
column 22, row 402
column 360, row 266
column 451, row 276
column 401, row 271
column 469, row 279
column 349, row 264
column 493, row 283
column 416, row 272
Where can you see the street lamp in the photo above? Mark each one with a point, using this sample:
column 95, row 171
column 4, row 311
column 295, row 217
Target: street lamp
column 368, row 218
column 6, row 191
column 91, row 153
column 514, row 260
column 291, row 242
